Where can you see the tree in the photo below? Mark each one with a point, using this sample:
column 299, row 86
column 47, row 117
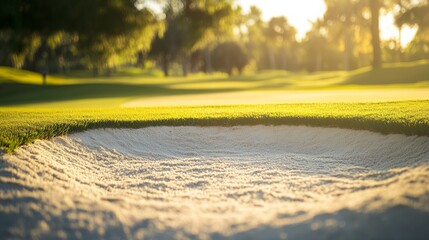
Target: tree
column 344, row 18
column 228, row 56
column 165, row 45
column 314, row 45
column 187, row 23
column 397, row 8
column 101, row 26
column 375, row 6
column 256, row 38
column 279, row 34
column 416, row 14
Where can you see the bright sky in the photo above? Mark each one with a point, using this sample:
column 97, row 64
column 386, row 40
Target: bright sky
column 300, row 13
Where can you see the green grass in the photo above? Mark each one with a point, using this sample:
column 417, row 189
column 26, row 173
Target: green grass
column 397, row 73
column 79, row 89
column 76, row 102
column 19, row 126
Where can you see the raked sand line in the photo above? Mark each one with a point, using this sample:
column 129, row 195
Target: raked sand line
column 261, row 182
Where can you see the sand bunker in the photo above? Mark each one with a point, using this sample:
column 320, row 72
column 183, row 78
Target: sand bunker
column 261, row 182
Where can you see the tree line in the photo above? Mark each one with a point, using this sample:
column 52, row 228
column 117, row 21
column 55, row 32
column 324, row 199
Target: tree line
column 202, row 35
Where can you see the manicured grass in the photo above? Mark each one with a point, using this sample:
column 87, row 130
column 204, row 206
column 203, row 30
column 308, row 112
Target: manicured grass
column 395, row 73
column 79, row 89
column 19, row 126
column 77, row 102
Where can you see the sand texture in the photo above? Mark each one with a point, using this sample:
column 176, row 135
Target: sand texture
column 259, row 182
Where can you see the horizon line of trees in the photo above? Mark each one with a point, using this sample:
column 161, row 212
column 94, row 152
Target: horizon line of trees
column 202, row 35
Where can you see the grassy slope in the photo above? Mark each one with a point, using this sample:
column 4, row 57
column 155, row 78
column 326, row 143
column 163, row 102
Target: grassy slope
column 80, row 90
column 24, row 118
column 20, row 126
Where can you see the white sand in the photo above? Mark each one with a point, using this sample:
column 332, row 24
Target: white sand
column 260, row 182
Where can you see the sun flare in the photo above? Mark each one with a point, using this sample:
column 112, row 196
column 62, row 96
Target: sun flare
column 300, row 15
column 297, row 12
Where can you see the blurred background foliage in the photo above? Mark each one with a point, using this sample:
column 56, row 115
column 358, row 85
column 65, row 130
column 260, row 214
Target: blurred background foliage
column 202, row 36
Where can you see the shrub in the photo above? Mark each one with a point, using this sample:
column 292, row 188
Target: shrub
column 228, row 56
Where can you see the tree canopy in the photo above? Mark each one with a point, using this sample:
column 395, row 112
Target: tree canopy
column 96, row 31
column 189, row 34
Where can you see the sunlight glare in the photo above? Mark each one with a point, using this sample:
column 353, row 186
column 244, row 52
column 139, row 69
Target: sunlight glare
column 298, row 13
column 390, row 31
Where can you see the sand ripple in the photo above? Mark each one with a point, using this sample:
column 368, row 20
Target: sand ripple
column 260, row 182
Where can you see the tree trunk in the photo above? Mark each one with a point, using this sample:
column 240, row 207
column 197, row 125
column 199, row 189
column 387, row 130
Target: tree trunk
column 272, row 59
column 347, row 48
column 319, row 61
column 165, row 65
column 208, row 59
column 95, row 71
column 375, row 32
column 399, row 40
column 109, row 71
column 348, row 38
column 140, row 60
column 399, row 48
column 185, row 65
column 285, row 58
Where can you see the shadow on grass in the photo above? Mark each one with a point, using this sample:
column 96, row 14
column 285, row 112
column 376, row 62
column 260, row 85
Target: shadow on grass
column 19, row 94
column 405, row 73
column 262, row 77
column 127, row 72
column 14, row 94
